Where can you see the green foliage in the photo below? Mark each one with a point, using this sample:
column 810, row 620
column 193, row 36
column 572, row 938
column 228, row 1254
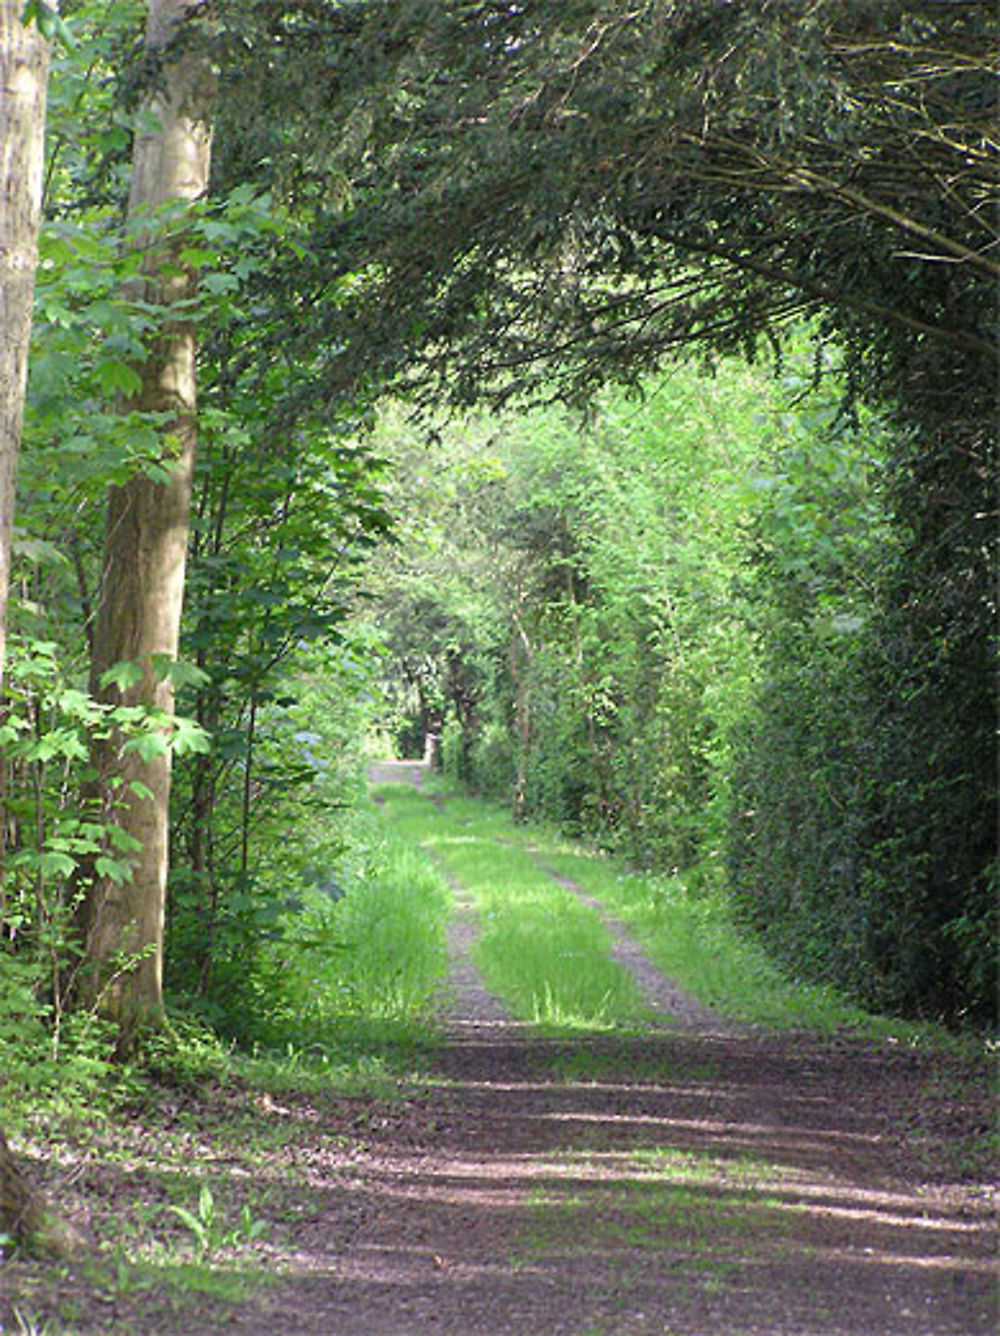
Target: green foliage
column 360, row 957
column 56, row 842
column 674, row 618
column 380, row 947
column 284, row 512
column 273, row 826
column 847, row 847
column 720, row 625
column 54, row 1065
column 208, row 1228
column 561, row 196
column 560, row 193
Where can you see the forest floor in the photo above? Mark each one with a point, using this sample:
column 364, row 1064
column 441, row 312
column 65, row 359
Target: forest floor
column 697, row 1178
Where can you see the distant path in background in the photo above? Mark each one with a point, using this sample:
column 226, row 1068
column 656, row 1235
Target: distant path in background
column 398, row 772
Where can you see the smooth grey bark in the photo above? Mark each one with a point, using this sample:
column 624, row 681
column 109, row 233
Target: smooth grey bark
column 24, row 65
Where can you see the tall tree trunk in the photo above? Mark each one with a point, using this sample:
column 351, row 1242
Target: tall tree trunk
column 146, row 539
column 520, row 675
column 24, row 66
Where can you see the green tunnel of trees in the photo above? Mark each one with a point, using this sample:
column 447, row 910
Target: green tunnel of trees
column 611, row 388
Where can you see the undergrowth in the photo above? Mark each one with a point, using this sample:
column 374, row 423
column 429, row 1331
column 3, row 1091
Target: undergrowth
column 342, row 1001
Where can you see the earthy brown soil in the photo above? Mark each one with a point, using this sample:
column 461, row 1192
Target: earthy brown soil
column 699, row 1180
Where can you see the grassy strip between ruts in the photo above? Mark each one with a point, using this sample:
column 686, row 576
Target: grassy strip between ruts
column 690, row 934
column 540, row 948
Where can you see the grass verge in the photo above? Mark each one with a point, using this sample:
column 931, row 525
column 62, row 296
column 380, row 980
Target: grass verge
column 359, row 965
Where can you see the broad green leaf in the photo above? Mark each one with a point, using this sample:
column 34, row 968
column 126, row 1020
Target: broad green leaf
column 57, row 864
column 114, row 869
column 115, row 377
column 148, row 746
column 122, row 675
column 181, row 673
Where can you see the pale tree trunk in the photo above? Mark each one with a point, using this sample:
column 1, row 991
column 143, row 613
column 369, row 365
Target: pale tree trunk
column 521, row 653
column 146, row 540
column 24, row 66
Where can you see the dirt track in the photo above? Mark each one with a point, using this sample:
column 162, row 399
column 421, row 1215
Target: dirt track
column 703, row 1179
column 698, row 1180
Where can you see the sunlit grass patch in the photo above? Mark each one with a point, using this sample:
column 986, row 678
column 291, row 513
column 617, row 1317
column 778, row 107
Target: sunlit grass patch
column 540, row 948
column 691, row 935
column 689, row 930
column 670, row 1164
column 547, row 955
column 685, row 924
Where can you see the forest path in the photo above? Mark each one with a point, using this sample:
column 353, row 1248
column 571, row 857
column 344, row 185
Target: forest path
column 700, row 1179
column 691, row 1178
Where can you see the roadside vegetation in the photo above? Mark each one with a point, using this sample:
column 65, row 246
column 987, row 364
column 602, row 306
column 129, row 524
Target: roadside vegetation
column 193, row 1157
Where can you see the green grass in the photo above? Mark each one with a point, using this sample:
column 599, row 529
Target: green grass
column 547, row 956
column 359, row 973
column 687, row 928
column 543, row 951
column 692, row 936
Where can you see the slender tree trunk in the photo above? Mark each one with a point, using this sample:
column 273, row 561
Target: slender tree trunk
column 24, row 65
column 146, row 540
column 520, row 641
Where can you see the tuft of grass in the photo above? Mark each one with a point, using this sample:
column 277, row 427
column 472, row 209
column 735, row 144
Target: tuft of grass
column 360, row 971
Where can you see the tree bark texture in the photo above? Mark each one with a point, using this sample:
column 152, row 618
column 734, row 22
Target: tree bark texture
column 146, row 539
column 24, row 65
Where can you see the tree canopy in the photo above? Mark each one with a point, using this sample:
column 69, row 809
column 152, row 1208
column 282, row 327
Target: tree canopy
column 531, row 195
column 476, row 205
